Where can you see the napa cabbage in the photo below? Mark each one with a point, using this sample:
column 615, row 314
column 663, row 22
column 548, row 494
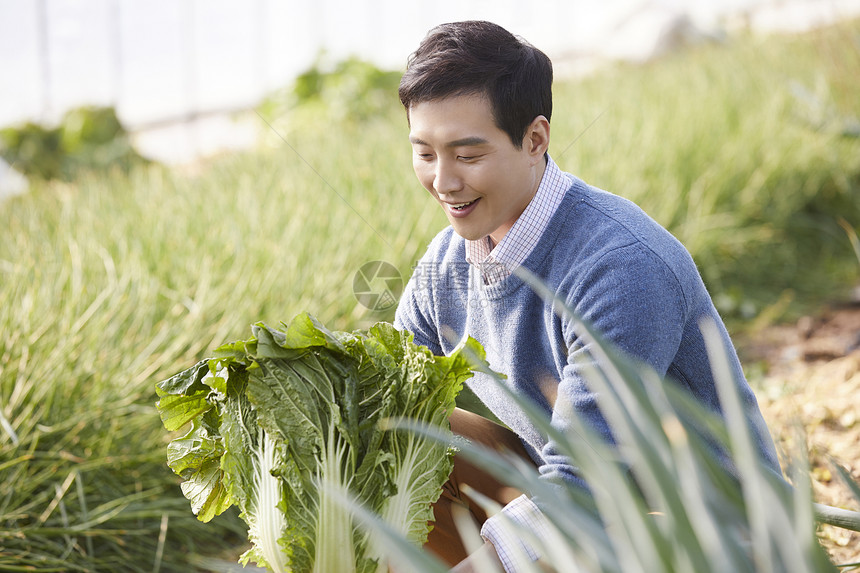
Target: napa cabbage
column 286, row 423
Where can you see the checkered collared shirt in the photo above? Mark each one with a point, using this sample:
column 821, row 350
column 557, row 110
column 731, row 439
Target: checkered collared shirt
column 497, row 263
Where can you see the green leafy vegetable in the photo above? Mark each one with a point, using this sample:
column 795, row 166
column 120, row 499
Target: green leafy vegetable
column 285, row 423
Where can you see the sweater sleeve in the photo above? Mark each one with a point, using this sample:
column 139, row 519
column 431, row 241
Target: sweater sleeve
column 634, row 301
column 413, row 315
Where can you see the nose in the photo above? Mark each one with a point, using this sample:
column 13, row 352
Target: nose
column 446, row 178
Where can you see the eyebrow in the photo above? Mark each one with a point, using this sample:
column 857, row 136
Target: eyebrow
column 464, row 142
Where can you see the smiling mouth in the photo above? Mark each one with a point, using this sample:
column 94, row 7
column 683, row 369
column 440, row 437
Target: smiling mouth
column 461, row 206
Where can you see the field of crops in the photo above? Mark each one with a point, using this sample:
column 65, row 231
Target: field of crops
column 748, row 150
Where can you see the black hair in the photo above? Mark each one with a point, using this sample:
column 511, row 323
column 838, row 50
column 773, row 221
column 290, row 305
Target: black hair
column 481, row 58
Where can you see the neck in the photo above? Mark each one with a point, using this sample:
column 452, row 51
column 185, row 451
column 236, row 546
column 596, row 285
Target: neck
column 538, row 172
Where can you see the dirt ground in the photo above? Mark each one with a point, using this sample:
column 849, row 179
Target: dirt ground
column 809, row 372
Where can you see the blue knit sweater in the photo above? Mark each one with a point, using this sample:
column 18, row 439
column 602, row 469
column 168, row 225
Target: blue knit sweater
column 621, row 272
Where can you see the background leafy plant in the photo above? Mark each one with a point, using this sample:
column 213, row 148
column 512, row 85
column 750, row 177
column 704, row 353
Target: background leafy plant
column 351, row 90
column 87, row 138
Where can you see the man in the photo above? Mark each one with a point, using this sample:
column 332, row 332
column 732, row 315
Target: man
column 478, row 103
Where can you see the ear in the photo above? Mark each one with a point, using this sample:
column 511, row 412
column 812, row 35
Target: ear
column 536, row 140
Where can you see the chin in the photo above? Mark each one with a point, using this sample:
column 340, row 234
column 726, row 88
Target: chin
column 468, row 234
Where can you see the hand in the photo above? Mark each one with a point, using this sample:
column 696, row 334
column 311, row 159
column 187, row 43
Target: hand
column 485, row 560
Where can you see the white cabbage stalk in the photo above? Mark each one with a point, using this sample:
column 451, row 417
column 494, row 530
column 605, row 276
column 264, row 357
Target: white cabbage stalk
column 335, row 550
column 269, row 523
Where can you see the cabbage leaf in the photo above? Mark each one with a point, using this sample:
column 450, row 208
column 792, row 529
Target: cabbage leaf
column 282, row 421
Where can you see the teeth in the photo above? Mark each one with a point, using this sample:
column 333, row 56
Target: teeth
column 461, row 205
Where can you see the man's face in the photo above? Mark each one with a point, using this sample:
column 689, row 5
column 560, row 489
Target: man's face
column 470, row 166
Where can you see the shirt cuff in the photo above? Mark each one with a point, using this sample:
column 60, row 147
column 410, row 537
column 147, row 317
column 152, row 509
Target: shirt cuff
column 505, row 531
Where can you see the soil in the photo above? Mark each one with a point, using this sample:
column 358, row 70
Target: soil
column 809, row 373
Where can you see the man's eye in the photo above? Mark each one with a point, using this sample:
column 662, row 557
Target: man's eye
column 467, row 158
